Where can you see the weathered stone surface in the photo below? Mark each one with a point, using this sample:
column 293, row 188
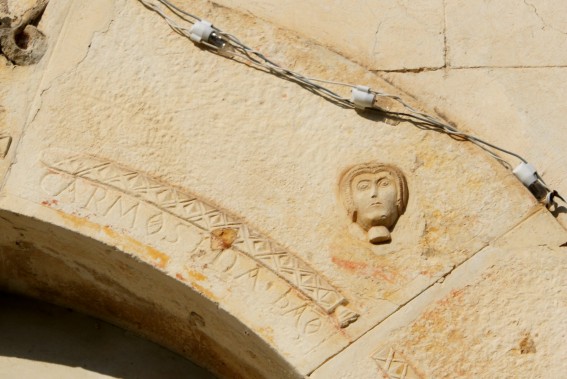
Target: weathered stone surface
column 137, row 114
column 497, row 316
column 382, row 35
column 540, row 229
column 17, row 10
column 20, row 100
column 501, row 77
column 144, row 156
column 506, row 33
column 518, row 109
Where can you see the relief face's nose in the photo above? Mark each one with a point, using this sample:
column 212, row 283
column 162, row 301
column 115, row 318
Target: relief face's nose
column 374, row 189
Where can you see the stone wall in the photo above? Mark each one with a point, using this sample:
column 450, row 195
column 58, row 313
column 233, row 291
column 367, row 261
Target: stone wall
column 208, row 205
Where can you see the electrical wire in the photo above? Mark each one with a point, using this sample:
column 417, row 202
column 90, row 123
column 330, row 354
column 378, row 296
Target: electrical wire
column 180, row 12
column 236, row 49
column 170, row 21
column 231, row 47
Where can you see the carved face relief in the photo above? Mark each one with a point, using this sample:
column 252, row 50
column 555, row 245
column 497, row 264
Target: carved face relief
column 375, row 196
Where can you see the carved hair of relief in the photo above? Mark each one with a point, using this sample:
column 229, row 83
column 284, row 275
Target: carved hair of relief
column 375, row 195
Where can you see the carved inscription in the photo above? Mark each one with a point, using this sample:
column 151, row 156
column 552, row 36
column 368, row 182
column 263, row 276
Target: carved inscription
column 392, row 365
column 126, row 211
column 5, row 143
column 287, row 303
column 289, row 267
column 179, row 209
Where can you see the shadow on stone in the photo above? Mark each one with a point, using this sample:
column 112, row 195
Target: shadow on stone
column 35, row 332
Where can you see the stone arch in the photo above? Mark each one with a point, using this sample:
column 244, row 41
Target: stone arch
column 94, row 228
column 63, row 267
column 56, row 342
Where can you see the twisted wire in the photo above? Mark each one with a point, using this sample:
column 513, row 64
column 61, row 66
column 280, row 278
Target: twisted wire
column 237, row 50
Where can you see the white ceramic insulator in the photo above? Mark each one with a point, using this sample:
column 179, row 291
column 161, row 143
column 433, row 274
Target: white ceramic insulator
column 526, row 173
column 362, row 97
column 201, row 31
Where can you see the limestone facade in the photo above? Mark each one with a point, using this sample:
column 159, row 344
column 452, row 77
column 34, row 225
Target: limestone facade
column 199, row 202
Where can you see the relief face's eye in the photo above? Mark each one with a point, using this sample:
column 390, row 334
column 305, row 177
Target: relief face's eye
column 363, row 185
column 385, row 183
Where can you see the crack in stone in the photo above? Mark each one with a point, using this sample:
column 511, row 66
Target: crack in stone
column 36, row 104
column 411, row 70
column 43, row 89
column 445, row 46
column 405, row 9
column 545, row 24
column 429, row 69
column 506, row 67
column 376, row 38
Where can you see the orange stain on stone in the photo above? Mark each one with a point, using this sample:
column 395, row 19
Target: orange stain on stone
column 432, row 271
column 223, row 238
column 204, row 291
column 267, row 333
column 49, row 203
column 439, row 319
column 363, row 268
column 196, row 275
column 157, row 258
column 349, row 265
column 78, row 222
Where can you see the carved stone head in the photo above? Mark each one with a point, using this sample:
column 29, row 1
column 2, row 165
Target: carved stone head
column 375, row 196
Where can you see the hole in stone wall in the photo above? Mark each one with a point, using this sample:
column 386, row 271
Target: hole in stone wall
column 22, row 39
column 5, row 22
column 527, row 345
